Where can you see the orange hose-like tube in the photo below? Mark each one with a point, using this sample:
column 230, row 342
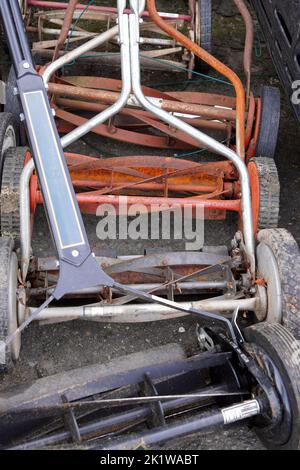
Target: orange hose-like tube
column 212, row 62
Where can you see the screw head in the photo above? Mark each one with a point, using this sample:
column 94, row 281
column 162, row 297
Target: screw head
column 75, row 253
column 26, row 65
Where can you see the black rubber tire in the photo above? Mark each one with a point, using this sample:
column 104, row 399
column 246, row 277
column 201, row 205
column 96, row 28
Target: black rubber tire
column 14, row 160
column 284, row 351
column 270, row 121
column 269, row 187
column 279, row 21
column 205, row 19
column 287, row 255
column 6, row 120
column 6, row 252
column 13, row 105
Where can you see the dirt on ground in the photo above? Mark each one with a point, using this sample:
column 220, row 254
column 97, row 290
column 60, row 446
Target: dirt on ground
column 50, row 349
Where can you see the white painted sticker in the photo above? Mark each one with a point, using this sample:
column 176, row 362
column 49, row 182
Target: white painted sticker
column 245, row 410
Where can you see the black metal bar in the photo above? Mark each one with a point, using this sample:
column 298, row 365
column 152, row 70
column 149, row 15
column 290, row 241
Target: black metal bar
column 94, row 386
column 117, row 422
column 71, row 423
column 148, row 388
column 184, row 427
column 14, row 5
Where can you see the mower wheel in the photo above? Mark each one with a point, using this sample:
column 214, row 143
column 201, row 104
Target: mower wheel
column 14, row 160
column 13, row 106
column 8, row 135
column 269, row 192
column 8, row 303
column 277, row 352
column 270, row 120
column 203, row 31
column 278, row 263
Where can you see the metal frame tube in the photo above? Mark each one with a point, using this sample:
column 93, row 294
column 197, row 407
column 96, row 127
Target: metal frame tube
column 181, row 286
column 88, row 46
column 140, row 313
column 213, row 62
column 203, row 139
column 88, row 202
column 25, row 229
column 79, row 51
column 189, row 110
column 126, row 83
column 82, row 130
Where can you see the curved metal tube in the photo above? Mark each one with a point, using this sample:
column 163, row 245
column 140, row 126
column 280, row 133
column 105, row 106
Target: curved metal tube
column 88, row 46
column 120, row 103
column 25, row 229
column 203, row 139
column 214, row 63
column 65, row 27
column 79, row 51
column 246, row 15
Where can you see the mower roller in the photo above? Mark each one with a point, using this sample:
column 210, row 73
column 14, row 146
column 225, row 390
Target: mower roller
column 246, row 298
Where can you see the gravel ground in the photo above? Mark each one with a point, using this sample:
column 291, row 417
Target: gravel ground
column 50, row 349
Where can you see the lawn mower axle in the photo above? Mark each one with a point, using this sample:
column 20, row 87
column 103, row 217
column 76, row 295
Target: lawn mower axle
column 129, row 393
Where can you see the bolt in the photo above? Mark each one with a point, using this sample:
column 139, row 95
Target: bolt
column 26, row 65
column 75, row 253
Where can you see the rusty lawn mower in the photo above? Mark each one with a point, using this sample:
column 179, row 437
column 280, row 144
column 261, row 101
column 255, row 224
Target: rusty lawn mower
column 44, row 19
column 247, row 295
